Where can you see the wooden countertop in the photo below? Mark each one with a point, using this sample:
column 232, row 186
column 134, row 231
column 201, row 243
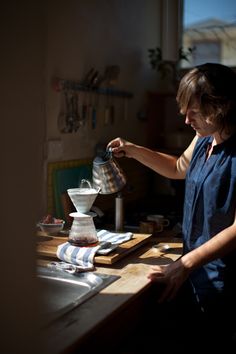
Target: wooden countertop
column 65, row 334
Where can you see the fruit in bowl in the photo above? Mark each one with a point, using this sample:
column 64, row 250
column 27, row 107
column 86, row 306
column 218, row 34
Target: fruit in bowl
column 51, row 225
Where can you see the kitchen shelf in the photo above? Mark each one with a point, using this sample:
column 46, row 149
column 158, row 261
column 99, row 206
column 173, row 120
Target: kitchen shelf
column 63, row 85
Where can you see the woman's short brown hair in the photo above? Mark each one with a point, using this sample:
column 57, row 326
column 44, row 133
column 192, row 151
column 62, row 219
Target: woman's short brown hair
column 212, row 87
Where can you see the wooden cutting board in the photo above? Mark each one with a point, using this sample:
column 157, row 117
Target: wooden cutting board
column 47, row 247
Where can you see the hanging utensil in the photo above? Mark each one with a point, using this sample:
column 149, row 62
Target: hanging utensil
column 69, row 118
column 76, row 117
column 61, row 119
column 84, row 109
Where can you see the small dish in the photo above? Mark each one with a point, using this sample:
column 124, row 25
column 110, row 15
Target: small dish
column 50, row 229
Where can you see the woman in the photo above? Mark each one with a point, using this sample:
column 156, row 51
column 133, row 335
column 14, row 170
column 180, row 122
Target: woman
column 203, row 280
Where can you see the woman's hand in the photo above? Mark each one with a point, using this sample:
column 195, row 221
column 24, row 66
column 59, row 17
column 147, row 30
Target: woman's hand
column 120, row 147
column 172, row 276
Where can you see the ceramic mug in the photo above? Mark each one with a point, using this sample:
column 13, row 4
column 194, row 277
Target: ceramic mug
column 159, row 220
column 146, row 227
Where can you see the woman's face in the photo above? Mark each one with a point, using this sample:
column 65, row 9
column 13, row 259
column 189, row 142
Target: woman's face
column 200, row 124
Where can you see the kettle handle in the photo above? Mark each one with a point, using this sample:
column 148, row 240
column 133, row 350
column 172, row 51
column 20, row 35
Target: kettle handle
column 108, row 153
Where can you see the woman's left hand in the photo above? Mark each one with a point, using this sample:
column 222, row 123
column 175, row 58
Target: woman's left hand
column 172, row 276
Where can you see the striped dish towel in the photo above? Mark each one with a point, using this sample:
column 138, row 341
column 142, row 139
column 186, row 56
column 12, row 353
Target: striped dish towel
column 109, row 241
column 83, row 257
column 114, row 237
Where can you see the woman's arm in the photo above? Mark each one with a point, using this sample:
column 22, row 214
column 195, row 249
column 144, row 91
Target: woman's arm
column 166, row 165
column 176, row 273
column 217, row 247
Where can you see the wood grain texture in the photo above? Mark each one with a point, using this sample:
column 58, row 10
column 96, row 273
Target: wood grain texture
column 47, row 247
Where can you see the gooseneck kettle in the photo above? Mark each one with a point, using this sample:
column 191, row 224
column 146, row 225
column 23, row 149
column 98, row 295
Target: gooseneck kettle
column 108, row 176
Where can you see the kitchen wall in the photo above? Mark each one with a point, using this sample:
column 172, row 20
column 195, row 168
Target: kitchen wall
column 95, row 34
column 86, row 34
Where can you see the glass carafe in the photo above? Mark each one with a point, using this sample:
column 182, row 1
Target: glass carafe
column 83, row 231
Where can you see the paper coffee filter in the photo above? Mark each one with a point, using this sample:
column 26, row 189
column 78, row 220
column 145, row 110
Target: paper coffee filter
column 82, row 198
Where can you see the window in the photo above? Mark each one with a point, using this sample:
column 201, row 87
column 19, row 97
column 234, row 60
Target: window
column 206, row 51
column 209, row 26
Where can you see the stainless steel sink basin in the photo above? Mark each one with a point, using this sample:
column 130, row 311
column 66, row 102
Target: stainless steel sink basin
column 61, row 291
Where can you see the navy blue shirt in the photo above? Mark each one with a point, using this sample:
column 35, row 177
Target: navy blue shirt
column 210, row 204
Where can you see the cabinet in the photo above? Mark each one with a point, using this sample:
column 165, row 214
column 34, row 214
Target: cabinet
column 161, row 107
column 166, row 129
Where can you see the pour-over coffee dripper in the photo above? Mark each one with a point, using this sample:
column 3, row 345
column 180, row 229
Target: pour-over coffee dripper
column 83, row 231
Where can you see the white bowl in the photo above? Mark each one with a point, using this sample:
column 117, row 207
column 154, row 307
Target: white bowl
column 51, row 228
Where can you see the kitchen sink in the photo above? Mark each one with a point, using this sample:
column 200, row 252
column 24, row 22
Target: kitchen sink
column 62, row 291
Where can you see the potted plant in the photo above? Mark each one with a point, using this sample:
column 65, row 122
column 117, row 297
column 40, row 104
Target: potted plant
column 168, row 69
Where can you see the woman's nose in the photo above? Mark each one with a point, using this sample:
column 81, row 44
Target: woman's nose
column 190, row 116
column 187, row 119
